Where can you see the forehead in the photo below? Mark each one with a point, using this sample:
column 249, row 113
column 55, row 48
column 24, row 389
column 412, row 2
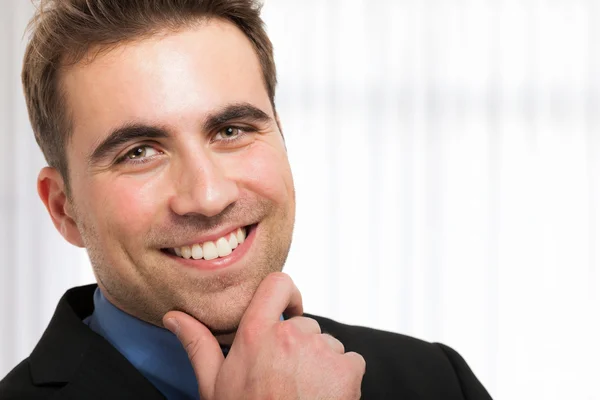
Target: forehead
column 168, row 79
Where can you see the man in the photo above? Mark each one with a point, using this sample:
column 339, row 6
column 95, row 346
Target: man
column 168, row 164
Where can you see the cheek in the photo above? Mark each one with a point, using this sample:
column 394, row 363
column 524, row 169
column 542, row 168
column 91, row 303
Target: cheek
column 127, row 205
column 265, row 170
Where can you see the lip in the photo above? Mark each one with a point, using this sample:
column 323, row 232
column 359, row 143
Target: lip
column 221, row 262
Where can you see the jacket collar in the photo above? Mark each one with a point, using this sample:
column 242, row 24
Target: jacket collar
column 70, row 353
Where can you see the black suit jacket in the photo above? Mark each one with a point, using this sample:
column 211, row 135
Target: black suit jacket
column 72, row 362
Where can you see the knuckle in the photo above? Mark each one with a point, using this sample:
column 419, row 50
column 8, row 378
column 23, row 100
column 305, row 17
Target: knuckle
column 286, row 334
column 250, row 334
column 286, row 329
column 336, row 342
column 319, row 343
column 359, row 361
column 363, row 364
column 315, row 324
column 309, row 324
column 355, row 362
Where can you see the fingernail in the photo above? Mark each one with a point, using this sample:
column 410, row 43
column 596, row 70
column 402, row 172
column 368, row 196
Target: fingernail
column 172, row 325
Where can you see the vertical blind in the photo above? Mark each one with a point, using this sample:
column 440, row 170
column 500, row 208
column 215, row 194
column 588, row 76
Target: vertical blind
column 446, row 160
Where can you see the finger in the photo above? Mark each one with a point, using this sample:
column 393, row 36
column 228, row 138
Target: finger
column 357, row 361
column 305, row 324
column 333, row 343
column 202, row 349
column 275, row 294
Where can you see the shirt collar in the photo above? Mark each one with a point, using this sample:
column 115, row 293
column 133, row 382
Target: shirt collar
column 154, row 351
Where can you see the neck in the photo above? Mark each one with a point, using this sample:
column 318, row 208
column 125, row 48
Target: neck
column 225, row 339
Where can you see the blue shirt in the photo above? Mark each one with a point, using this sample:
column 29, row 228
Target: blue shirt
column 154, row 351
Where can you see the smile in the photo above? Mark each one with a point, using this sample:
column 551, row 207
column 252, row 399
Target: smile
column 212, row 249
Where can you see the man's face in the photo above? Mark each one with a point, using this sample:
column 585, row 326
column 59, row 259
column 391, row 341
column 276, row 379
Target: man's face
column 175, row 144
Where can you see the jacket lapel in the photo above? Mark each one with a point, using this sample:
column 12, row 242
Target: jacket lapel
column 85, row 364
column 105, row 374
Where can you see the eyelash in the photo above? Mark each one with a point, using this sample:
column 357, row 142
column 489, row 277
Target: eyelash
column 124, row 160
column 242, row 132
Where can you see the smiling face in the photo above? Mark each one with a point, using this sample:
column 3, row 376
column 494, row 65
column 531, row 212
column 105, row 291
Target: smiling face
column 175, row 144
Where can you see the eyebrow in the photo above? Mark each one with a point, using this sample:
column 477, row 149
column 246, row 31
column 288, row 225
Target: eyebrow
column 123, row 135
column 132, row 131
column 232, row 112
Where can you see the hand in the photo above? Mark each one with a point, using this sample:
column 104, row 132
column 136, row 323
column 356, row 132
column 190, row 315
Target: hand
column 269, row 358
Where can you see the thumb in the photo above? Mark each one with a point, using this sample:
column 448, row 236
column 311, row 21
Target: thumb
column 201, row 347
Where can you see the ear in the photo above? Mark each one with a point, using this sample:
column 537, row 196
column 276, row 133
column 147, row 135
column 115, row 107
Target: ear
column 51, row 189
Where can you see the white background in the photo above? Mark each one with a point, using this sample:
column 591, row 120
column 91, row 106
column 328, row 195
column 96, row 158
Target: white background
column 447, row 165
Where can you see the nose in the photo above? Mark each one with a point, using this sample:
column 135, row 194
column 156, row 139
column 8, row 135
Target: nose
column 203, row 187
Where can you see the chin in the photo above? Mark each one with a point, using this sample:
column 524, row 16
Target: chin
column 224, row 311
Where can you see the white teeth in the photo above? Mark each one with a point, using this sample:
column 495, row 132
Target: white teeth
column 197, row 252
column 223, row 247
column 210, row 251
column 186, row 252
column 233, row 243
column 241, row 235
